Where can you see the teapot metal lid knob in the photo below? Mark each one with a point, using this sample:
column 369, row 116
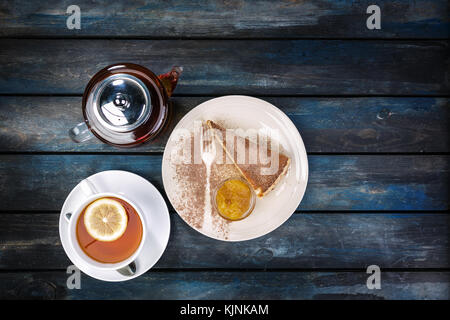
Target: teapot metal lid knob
column 122, row 101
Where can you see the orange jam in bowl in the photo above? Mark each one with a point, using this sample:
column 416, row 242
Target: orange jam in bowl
column 234, row 199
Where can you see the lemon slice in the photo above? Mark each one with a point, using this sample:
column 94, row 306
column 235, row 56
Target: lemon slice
column 105, row 219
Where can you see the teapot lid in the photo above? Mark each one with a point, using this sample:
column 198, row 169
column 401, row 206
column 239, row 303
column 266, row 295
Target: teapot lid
column 121, row 102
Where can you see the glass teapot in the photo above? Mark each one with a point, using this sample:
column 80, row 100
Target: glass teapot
column 125, row 104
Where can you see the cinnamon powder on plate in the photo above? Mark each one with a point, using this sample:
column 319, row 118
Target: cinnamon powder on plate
column 190, row 183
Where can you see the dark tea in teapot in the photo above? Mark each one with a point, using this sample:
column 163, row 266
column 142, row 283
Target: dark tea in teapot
column 126, row 104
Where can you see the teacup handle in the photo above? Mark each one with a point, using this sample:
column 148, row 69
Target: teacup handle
column 80, row 133
column 128, row 270
column 88, row 188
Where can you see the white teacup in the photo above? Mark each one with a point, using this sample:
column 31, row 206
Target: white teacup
column 126, row 267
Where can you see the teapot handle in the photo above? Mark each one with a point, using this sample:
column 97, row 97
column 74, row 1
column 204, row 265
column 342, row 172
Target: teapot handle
column 80, row 133
column 170, row 79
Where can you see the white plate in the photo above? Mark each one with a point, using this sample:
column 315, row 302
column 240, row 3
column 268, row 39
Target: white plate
column 155, row 212
column 245, row 112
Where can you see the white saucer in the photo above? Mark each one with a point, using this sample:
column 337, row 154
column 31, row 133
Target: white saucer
column 147, row 197
column 245, row 112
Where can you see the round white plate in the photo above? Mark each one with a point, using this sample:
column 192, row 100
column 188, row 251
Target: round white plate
column 245, row 112
column 139, row 191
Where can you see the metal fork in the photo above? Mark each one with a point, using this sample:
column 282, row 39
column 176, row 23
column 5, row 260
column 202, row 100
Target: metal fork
column 208, row 152
column 207, row 147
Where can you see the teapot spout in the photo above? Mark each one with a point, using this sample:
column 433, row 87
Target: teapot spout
column 170, row 79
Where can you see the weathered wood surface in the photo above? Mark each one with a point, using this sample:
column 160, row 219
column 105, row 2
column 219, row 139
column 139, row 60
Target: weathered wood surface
column 316, row 241
column 225, row 19
column 376, row 182
column 40, row 124
column 230, row 286
column 284, row 52
column 217, row 67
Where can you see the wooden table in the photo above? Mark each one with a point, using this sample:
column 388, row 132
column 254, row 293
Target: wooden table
column 371, row 105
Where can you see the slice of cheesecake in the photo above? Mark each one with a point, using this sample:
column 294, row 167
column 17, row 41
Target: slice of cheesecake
column 263, row 176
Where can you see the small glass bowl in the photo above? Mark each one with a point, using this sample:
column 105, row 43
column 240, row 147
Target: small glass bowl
column 252, row 199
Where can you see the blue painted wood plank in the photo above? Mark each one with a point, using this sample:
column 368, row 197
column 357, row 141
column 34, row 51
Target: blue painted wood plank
column 313, row 241
column 215, row 67
column 226, row 19
column 230, row 286
column 40, row 124
column 376, row 182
